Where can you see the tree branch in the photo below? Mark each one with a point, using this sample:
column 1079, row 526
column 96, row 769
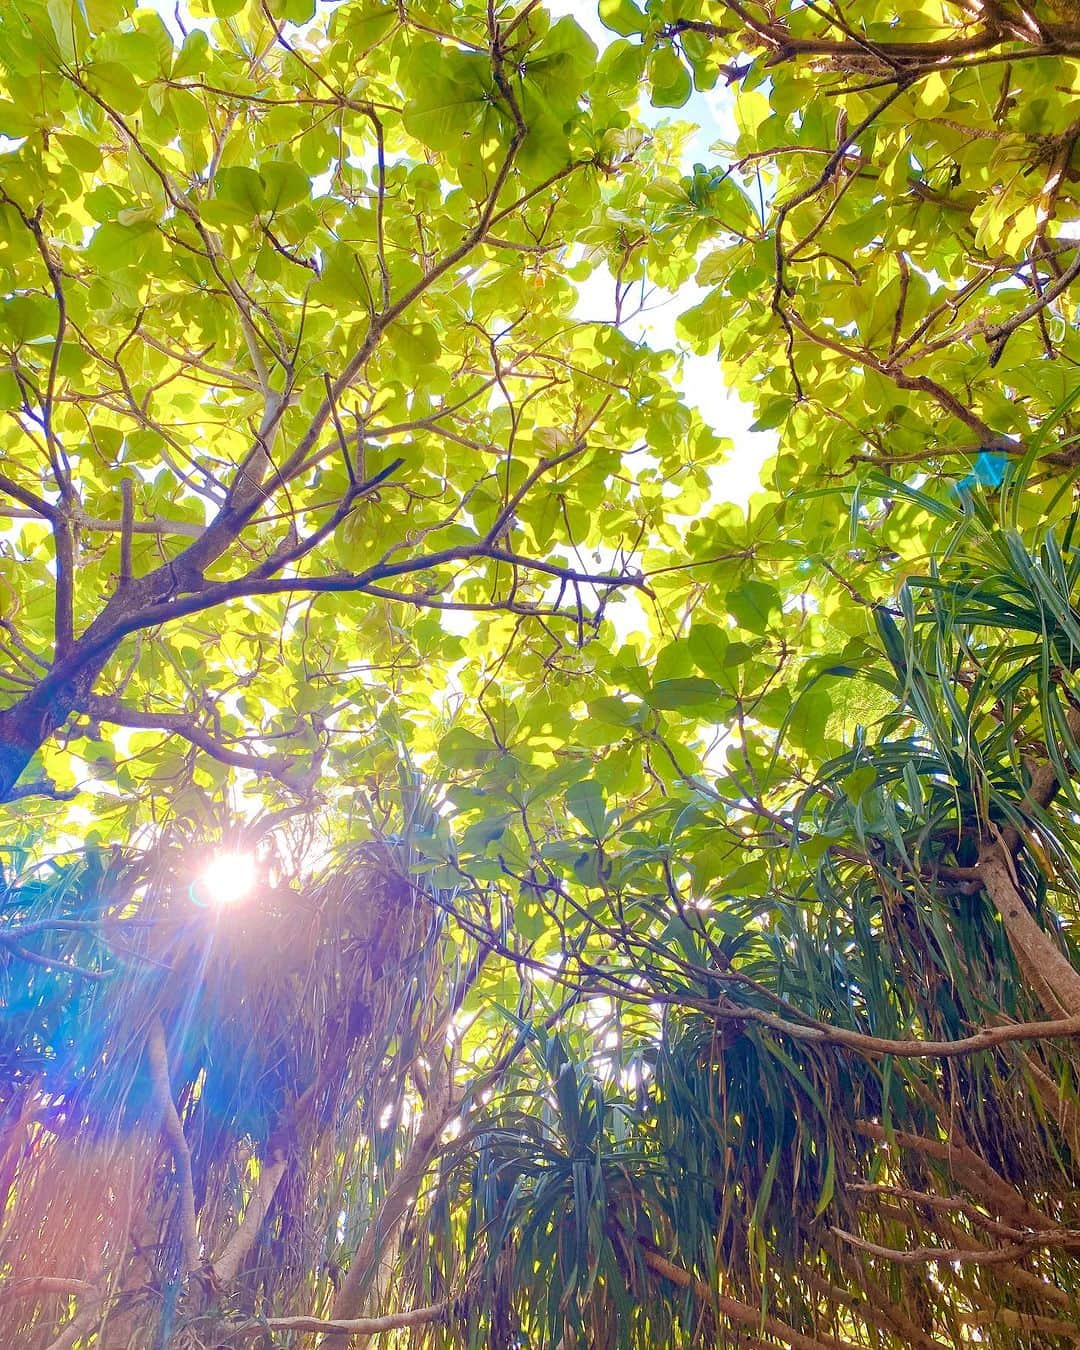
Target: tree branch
column 980, row 1256
column 127, row 525
column 157, row 1054
column 157, row 526
column 104, row 709
column 226, row 1268
column 37, row 506
column 362, row 1326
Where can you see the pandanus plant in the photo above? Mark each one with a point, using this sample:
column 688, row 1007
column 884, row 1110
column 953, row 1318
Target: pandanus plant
column 843, row 1112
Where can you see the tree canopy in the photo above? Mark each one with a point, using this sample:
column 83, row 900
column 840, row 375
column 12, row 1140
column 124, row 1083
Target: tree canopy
column 656, row 918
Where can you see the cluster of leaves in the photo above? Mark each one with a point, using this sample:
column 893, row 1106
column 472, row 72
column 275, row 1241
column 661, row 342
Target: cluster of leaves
column 913, row 190
column 807, row 1062
column 291, row 367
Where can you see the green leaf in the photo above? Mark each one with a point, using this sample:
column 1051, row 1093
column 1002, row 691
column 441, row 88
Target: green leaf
column 556, row 70
column 622, row 16
column 26, row 318
column 83, row 154
column 192, row 57
column 284, row 185
column 669, row 78
column 116, row 245
column 755, row 605
column 463, row 749
column 614, row 711
column 857, row 783
column 708, row 644
column 242, row 189
column 116, row 85
column 366, row 22
column 449, row 93
column 69, row 28
column 585, row 802
column 690, row 692
column 809, row 718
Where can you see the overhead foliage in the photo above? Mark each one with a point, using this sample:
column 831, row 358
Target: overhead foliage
column 292, row 370
column 667, row 928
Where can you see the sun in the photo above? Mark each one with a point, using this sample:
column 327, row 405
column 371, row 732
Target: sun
column 227, row 879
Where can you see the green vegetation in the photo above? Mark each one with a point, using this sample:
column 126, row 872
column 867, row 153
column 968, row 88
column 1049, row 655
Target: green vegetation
column 665, row 918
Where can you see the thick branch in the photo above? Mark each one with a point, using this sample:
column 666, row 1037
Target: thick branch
column 157, row 1054
column 1035, row 949
column 35, row 505
column 227, row 1266
column 26, row 723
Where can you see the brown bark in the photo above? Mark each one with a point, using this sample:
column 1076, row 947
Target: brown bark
column 174, row 1131
column 227, row 1266
column 365, row 1326
column 972, row 1172
column 1035, row 950
column 740, row 1313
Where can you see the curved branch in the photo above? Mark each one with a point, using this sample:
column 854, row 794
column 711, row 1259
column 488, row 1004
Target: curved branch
column 821, row 1033
column 979, row 1256
column 363, row 1326
column 104, row 709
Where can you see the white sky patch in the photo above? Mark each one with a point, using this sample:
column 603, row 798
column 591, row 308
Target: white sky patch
column 587, row 15
column 701, row 381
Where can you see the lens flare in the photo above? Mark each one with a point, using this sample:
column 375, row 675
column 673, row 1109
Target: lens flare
column 227, row 879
